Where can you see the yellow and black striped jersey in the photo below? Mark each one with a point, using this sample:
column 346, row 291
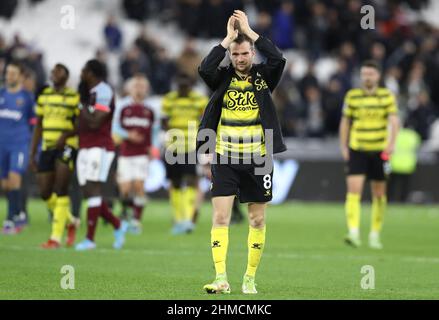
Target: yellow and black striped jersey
column 240, row 133
column 58, row 111
column 183, row 113
column 369, row 115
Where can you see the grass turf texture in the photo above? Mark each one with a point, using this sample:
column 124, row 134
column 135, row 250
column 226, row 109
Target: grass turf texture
column 304, row 258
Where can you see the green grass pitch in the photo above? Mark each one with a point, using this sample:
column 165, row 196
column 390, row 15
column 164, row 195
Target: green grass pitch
column 304, row 258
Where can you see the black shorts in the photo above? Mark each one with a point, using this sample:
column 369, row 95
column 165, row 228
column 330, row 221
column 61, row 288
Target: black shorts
column 176, row 171
column 47, row 159
column 242, row 181
column 369, row 164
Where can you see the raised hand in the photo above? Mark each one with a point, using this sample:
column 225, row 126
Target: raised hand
column 232, row 32
column 241, row 17
column 244, row 27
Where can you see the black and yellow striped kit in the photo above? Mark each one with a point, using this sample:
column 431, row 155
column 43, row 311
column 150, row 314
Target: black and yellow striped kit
column 240, row 133
column 58, row 111
column 369, row 115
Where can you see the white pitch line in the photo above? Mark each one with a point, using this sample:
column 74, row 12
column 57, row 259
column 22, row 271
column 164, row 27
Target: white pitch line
column 434, row 260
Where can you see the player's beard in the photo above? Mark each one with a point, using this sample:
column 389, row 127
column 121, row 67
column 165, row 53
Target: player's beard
column 243, row 68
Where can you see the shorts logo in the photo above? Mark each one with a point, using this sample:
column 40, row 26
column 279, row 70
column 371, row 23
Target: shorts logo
column 257, row 246
column 387, row 168
column 67, row 153
column 267, row 193
column 216, row 244
column 211, row 186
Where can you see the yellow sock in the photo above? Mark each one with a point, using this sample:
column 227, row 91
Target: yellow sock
column 176, row 202
column 51, row 202
column 256, row 243
column 189, row 196
column 353, row 210
column 378, row 209
column 220, row 242
column 61, row 216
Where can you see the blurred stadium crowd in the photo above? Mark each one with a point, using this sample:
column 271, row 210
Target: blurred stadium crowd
column 317, row 31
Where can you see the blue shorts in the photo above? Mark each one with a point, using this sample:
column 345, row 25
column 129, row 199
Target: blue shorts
column 13, row 158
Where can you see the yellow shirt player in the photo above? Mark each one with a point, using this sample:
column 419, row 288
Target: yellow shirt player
column 368, row 131
column 56, row 110
column 247, row 134
column 181, row 111
column 240, row 133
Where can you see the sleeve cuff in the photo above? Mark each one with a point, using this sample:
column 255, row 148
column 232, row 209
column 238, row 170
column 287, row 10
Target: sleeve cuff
column 102, row 107
column 220, row 46
column 259, row 40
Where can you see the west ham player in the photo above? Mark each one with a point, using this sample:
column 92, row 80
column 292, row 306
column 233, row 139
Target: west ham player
column 16, row 118
column 96, row 150
column 133, row 123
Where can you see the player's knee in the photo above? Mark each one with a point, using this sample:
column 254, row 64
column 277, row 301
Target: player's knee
column 378, row 191
column 191, row 181
column 92, row 190
column 61, row 189
column 379, row 195
column 139, row 189
column 124, row 195
column 176, row 183
column 354, row 187
column 5, row 185
column 60, row 192
column 220, row 219
column 124, row 191
column 13, row 184
column 257, row 221
column 355, row 193
column 45, row 194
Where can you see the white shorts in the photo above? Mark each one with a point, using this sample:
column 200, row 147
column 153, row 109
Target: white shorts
column 132, row 168
column 93, row 164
